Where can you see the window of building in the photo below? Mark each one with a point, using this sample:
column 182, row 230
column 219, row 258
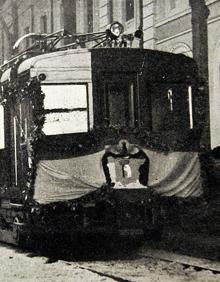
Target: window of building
column 26, row 31
column 172, row 4
column 182, row 48
column 69, row 15
column 90, row 15
column 110, row 11
column 129, row 9
column 2, row 128
column 43, row 24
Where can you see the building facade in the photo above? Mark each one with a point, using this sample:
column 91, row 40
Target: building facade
column 166, row 26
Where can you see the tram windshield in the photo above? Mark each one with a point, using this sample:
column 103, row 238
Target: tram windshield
column 66, row 108
column 171, row 106
column 120, row 104
column 159, row 106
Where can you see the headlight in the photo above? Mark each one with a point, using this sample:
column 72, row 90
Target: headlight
column 115, row 30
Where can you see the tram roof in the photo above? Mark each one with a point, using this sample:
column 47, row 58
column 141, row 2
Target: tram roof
column 75, row 60
column 78, row 59
column 52, row 60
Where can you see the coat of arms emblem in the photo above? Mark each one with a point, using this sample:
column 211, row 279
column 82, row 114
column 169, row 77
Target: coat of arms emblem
column 125, row 166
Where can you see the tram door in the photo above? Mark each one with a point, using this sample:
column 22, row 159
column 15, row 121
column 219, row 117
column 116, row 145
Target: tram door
column 6, row 147
column 24, row 131
column 19, row 143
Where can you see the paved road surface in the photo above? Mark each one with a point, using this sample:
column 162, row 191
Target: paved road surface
column 17, row 265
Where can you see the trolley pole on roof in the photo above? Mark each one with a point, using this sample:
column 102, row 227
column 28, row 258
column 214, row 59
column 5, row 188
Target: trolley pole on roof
column 200, row 13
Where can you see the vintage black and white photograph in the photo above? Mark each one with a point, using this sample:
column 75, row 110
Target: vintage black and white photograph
column 110, row 140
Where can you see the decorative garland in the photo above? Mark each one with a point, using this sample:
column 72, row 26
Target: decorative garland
column 165, row 141
column 34, row 92
column 14, row 93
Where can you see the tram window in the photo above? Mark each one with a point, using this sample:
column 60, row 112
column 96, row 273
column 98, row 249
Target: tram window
column 171, row 107
column 120, row 100
column 2, row 128
column 66, row 108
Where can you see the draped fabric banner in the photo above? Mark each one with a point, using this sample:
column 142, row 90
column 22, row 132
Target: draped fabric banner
column 175, row 174
column 170, row 174
column 67, row 179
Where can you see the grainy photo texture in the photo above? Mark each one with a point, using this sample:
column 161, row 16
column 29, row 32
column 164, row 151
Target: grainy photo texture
column 109, row 140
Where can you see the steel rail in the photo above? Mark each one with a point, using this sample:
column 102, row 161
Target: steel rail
column 199, row 263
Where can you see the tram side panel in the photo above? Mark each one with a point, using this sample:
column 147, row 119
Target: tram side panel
column 14, row 163
column 4, row 147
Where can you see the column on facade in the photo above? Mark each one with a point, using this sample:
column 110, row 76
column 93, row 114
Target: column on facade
column 200, row 15
column 103, row 14
column 148, row 23
column 81, row 16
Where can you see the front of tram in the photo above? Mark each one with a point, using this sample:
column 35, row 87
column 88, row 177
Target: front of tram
column 81, row 178
column 106, row 149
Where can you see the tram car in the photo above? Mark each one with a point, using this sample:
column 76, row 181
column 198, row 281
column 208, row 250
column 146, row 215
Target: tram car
column 90, row 137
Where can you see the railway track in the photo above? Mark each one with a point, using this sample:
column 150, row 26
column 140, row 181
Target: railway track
column 138, row 268
column 144, row 265
column 187, row 261
column 104, row 274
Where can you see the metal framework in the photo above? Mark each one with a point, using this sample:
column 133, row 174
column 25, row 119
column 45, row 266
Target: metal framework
column 44, row 43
